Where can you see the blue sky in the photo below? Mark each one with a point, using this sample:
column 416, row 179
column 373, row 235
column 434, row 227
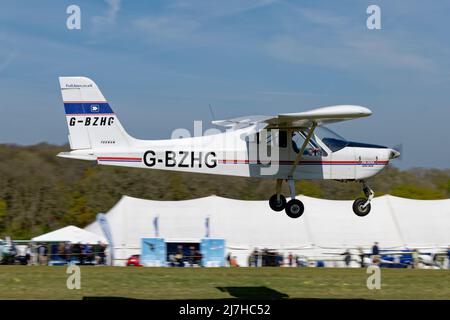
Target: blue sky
column 161, row 63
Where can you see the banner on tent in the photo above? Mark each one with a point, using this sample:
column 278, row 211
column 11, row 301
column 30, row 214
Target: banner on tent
column 153, row 252
column 213, row 251
column 104, row 225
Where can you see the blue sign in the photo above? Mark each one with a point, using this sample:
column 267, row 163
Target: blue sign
column 153, row 252
column 213, row 251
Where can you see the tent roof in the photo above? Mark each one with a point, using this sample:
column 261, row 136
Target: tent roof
column 70, row 234
column 393, row 222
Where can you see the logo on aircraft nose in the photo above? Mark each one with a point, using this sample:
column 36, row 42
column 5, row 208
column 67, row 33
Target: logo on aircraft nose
column 95, row 108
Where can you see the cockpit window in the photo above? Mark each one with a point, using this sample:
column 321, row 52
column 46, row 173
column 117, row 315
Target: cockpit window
column 334, row 144
column 331, row 139
column 312, row 149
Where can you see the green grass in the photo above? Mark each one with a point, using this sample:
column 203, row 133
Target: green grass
column 30, row 282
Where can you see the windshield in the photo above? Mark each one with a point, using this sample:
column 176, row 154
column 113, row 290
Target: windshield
column 331, row 139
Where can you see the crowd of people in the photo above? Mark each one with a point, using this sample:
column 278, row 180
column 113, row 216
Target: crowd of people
column 268, row 258
column 81, row 254
column 191, row 257
column 405, row 258
column 62, row 253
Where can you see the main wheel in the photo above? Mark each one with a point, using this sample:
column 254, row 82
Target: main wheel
column 277, row 205
column 358, row 208
column 294, row 208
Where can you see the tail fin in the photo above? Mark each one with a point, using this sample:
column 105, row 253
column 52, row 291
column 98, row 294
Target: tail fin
column 90, row 119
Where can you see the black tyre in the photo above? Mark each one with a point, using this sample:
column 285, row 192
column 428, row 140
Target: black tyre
column 277, row 205
column 358, row 207
column 294, row 208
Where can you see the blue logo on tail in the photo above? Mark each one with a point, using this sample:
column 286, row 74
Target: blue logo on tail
column 95, row 108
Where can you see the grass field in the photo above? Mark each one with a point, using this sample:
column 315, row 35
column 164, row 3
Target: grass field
column 26, row 282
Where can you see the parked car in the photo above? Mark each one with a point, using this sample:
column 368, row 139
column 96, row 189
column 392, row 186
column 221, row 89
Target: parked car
column 134, row 260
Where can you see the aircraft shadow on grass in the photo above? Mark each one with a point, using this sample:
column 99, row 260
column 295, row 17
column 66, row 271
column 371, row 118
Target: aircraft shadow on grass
column 253, row 293
column 260, row 293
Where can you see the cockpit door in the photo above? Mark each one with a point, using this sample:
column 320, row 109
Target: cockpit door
column 311, row 165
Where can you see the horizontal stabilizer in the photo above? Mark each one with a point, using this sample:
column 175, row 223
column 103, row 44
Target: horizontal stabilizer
column 78, row 156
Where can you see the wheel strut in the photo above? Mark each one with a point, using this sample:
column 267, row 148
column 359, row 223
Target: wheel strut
column 368, row 193
column 278, row 188
column 291, row 183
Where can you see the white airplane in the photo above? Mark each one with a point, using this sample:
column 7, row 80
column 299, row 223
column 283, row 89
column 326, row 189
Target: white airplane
column 297, row 146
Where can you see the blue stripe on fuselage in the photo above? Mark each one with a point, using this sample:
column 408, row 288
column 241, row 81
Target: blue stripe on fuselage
column 87, row 108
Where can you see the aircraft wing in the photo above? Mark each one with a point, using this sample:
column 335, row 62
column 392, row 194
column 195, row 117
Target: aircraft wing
column 304, row 119
column 241, row 122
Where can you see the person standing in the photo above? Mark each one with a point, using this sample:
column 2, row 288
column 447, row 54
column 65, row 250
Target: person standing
column 28, row 255
column 347, row 258
column 415, row 258
column 229, row 259
column 102, row 254
column 448, row 257
column 251, row 259
column 179, row 256
column 43, row 260
column 191, row 257
column 89, row 253
column 76, row 252
column 67, row 252
column 61, row 248
column 375, row 253
column 256, row 258
column 361, row 257
column 290, row 259
column 233, row 262
column 82, row 254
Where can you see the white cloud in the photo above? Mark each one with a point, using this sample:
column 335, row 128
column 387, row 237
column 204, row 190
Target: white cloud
column 389, row 52
column 186, row 21
column 208, row 8
column 322, row 18
column 167, row 27
column 110, row 15
column 349, row 52
column 337, row 41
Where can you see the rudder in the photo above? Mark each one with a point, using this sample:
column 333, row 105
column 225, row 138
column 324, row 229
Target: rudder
column 91, row 121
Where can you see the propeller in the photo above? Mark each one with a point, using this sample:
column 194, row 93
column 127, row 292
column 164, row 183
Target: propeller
column 397, row 151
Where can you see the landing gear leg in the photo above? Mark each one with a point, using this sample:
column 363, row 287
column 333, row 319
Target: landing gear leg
column 361, row 206
column 294, row 208
column 277, row 202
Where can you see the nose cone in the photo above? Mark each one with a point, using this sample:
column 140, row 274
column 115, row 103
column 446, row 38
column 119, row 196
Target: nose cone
column 394, row 154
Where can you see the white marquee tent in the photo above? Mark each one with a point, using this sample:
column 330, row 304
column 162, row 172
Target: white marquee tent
column 327, row 226
column 70, row 234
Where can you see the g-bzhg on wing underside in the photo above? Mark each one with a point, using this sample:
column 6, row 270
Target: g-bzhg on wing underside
column 283, row 147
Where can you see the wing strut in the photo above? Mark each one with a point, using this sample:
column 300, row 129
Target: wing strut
column 302, row 149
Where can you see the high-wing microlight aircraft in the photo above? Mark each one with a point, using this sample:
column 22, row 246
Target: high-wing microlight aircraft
column 283, row 147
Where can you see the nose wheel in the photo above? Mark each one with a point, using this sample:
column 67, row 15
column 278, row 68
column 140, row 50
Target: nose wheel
column 294, row 208
column 361, row 206
column 359, row 209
